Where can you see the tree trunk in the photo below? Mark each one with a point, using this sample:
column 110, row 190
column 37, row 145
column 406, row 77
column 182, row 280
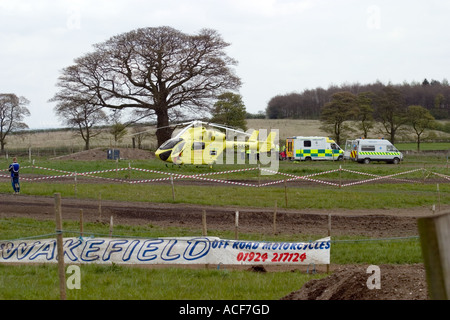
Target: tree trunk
column 86, row 138
column 393, row 131
column 163, row 131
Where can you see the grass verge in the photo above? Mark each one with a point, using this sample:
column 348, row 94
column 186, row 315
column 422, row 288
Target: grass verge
column 117, row 282
column 121, row 282
column 374, row 196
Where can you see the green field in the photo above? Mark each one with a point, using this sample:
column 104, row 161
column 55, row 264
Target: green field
column 120, row 282
column 414, row 186
column 435, row 146
column 214, row 283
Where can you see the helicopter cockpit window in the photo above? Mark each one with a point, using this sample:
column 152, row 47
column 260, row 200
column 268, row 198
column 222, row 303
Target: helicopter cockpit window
column 169, row 144
column 198, row 146
column 178, row 148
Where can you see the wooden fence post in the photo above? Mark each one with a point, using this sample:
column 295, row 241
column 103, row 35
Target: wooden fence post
column 81, row 222
column 100, row 207
column 75, row 185
column 285, row 193
column 259, row 174
column 435, row 242
column 275, row 219
column 438, row 198
column 329, row 234
column 60, row 248
column 173, row 188
column 204, row 230
column 111, row 226
column 236, row 225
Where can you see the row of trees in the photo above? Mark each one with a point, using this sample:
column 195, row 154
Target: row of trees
column 365, row 109
column 432, row 95
column 13, row 110
column 229, row 109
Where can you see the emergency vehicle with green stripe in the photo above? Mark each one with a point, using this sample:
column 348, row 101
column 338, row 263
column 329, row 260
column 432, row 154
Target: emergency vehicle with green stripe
column 313, row 148
column 367, row 150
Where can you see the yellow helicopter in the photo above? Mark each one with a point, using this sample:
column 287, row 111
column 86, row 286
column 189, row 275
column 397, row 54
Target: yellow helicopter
column 200, row 143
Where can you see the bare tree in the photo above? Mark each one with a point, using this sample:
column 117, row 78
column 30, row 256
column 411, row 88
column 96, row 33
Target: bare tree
column 420, row 119
column 341, row 108
column 12, row 111
column 82, row 113
column 117, row 128
column 391, row 110
column 161, row 70
column 365, row 113
column 139, row 133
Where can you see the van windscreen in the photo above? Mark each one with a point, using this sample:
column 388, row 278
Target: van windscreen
column 367, row 148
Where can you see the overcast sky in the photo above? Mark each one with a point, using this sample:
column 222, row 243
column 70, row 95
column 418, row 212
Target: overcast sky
column 281, row 46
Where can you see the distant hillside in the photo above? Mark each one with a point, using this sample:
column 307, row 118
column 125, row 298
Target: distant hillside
column 70, row 139
column 288, row 127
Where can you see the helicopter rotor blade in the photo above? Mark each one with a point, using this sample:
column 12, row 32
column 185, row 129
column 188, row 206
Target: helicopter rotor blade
column 228, row 128
column 194, row 123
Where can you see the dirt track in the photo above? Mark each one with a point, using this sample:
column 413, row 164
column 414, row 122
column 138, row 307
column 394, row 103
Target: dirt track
column 369, row 223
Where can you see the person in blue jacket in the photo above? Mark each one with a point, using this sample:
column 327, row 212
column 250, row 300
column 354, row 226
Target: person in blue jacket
column 14, row 169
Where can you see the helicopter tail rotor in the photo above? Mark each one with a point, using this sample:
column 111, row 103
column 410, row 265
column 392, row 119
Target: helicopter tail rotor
column 269, row 143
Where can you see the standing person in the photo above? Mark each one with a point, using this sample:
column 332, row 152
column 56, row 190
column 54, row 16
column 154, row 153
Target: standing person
column 14, row 169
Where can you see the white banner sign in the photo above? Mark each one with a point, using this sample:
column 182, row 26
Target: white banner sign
column 189, row 250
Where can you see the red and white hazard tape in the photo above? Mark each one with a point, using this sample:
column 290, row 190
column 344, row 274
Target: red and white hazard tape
column 442, row 175
column 49, row 169
column 224, row 172
column 225, row 181
column 380, row 178
column 377, row 177
column 203, row 176
column 294, row 177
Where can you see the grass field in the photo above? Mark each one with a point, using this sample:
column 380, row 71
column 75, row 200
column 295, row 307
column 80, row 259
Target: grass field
column 435, row 146
column 317, row 195
column 120, row 282
column 114, row 282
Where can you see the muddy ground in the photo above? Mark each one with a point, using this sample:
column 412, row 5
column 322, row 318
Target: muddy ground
column 348, row 282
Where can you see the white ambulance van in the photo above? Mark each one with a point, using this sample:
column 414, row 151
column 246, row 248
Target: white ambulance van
column 348, row 149
column 367, row 150
column 313, row 148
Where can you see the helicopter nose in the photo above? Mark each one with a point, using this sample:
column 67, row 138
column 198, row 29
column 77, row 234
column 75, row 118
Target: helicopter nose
column 164, row 155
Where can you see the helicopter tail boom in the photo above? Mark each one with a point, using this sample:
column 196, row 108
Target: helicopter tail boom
column 268, row 144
